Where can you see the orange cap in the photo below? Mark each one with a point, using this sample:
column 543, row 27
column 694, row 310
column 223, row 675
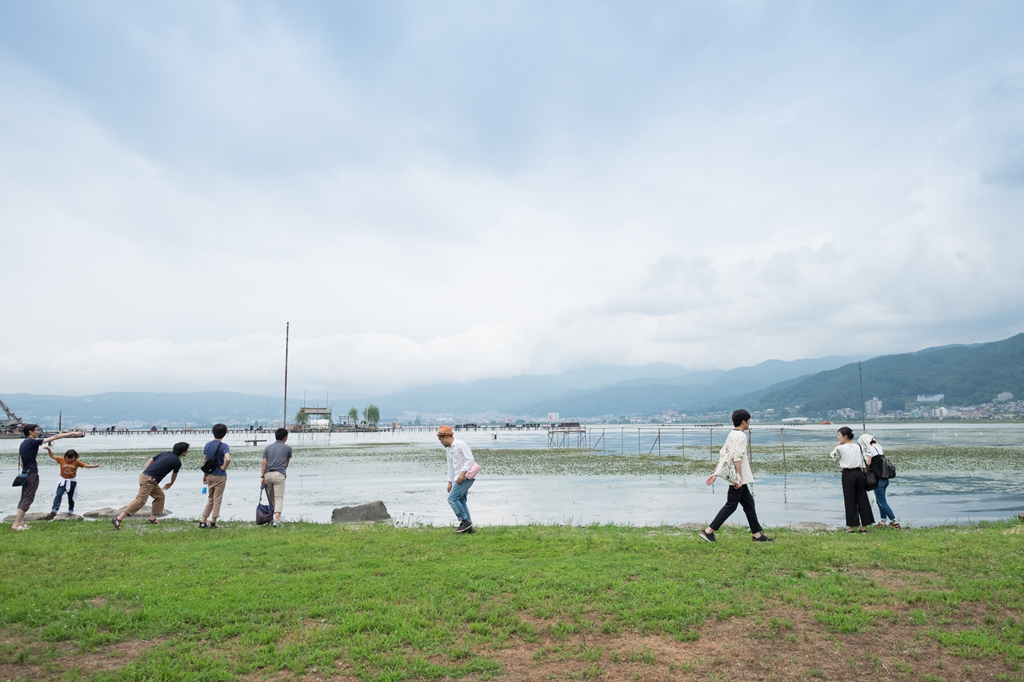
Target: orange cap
column 444, row 430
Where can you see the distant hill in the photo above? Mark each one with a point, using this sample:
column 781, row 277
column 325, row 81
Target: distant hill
column 691, row 393
column 503, row 395
column 967, row 375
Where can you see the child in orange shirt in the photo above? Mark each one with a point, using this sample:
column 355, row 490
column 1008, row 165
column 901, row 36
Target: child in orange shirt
column 69, row 466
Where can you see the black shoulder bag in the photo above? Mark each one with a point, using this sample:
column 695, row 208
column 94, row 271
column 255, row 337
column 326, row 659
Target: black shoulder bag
column 870, row 477
column 212, row 463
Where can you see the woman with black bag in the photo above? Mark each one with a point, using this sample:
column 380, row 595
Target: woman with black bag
column 884, row 470
column 854, row 463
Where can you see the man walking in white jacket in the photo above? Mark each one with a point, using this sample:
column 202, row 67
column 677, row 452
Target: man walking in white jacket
column 734, row 454
column 460, row 459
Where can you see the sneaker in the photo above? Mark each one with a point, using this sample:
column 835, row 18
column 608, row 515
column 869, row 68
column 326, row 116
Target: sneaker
column 706, row 536
column 202, row 524
column 882, row 525
column 863, row 530
column 464, row 526
column 213, row 524
column 52, row 514
column 763, row 538
column 895, row 525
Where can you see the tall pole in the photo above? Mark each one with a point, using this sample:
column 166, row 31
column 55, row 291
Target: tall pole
column 863, row 415
column 287, row 326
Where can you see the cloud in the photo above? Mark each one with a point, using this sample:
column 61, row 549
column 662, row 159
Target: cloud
column 433, row 194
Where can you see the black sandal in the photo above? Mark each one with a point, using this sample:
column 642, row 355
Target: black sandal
column 155, row 522
column 117, row 523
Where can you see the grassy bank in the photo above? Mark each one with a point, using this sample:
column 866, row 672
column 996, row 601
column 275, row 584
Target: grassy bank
column 83, row 602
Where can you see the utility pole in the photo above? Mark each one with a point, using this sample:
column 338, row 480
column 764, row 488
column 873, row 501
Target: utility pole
column 287, row 326
column 863, row 405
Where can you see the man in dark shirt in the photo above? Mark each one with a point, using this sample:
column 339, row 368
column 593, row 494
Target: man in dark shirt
column 27, row 461
column 149, row 483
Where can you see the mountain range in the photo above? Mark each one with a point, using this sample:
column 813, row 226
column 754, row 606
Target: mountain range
column 965, row 374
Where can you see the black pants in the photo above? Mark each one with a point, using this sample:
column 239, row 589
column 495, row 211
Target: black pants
column 733, row 500
column 855, row 495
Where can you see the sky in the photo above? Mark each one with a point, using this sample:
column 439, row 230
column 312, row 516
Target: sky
column 449, row 191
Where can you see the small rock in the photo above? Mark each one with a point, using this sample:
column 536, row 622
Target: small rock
column 811, row 526
column 1020, row 516
column 374, row 512
column 34, row 516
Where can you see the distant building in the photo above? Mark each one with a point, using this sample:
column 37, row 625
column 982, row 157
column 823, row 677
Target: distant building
column 552, row 416
column 940, row 413
column 795, row 420
column 1004, row 397
column 873, row 407
column 937, row 398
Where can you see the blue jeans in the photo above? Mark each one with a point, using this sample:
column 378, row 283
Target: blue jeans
column 884, row 510
column 457, row 499
column 59, row 497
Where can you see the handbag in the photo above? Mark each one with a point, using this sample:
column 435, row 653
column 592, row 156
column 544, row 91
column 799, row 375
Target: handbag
column 473, row 469
column 727, row 470
column 212, row 463
column 870, row 477
column 264, row 512
column 888, row 470
column 20, row 480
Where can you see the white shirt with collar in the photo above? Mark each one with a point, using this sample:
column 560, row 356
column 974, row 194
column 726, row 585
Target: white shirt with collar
column 457, row 464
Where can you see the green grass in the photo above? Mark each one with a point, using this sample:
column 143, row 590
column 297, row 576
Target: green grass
column 383, row 603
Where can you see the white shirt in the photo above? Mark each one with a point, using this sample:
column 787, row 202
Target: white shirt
column 849, row 456
column 735, row 450
column 456, row 465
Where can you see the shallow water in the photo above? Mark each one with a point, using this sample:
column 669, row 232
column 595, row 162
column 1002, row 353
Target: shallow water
column 410, row 479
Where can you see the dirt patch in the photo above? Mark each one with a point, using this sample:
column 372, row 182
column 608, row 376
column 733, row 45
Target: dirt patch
column 781, row 643
column 35, row 661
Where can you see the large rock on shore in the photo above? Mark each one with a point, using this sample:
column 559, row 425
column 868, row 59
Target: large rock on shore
column 374, row 512
column 45, row 516
column 107, row 512
column 813, row 526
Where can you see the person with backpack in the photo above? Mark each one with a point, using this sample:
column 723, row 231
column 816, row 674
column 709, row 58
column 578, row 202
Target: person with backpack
column 216, row 458
column 276, row 458
column 884, row 471
column 853, row 461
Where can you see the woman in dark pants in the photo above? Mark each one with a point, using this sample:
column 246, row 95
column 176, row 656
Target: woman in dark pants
column 853, row 461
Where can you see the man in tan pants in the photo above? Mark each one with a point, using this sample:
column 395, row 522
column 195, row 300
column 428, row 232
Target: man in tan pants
column 276, row 458
column 149, row 483
column 217, row 479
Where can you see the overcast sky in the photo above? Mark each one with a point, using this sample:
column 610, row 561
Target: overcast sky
column 452, row 191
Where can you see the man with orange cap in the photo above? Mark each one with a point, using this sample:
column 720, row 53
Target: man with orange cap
column 460, row 462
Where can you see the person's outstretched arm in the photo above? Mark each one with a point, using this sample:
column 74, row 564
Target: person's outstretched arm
column 90, row 466
column 61, row 435
column 50, row 453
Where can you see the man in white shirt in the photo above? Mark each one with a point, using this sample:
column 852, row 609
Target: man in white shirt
column 460, row 459
column 734, row 453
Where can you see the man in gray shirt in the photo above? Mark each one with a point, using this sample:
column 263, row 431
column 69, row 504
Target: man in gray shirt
column 276, row 457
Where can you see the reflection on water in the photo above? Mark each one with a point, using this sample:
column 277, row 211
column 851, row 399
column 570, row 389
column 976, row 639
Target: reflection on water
column 414, row 492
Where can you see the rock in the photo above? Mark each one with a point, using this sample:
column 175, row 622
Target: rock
column 44, row 516
column 812, row 526
column 1020, row 516
column 107, row 512
column 375, row 512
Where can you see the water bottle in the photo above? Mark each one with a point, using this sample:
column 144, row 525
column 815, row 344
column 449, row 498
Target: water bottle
column 204, row 488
